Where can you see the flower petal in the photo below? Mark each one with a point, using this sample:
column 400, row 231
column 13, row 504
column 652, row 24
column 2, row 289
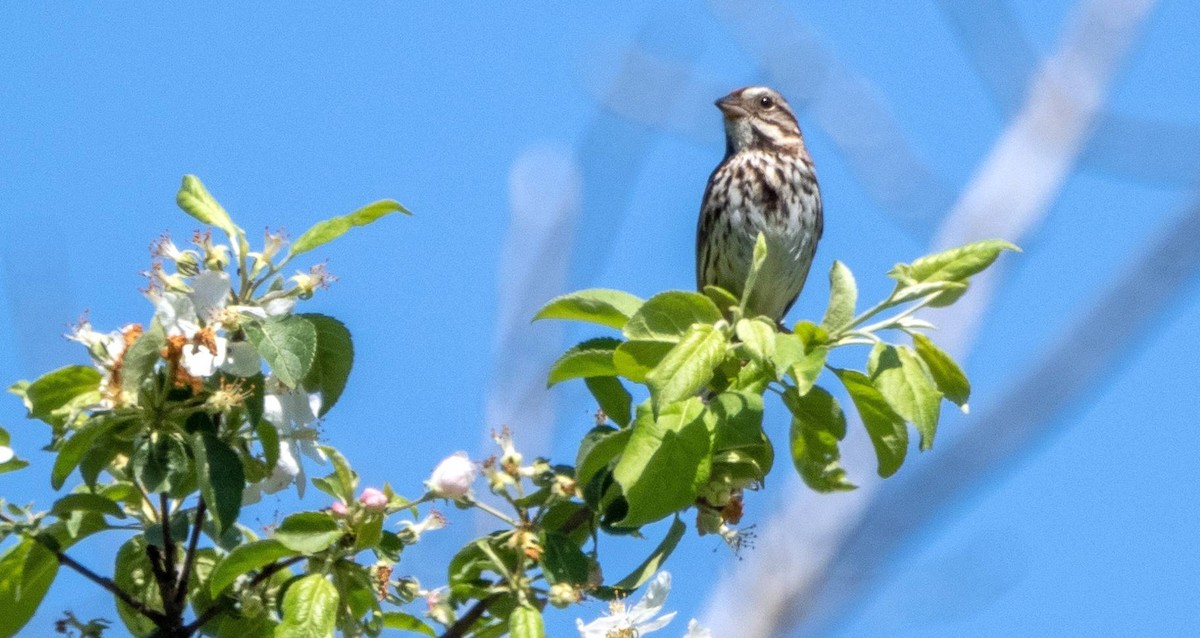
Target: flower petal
column 210, row 292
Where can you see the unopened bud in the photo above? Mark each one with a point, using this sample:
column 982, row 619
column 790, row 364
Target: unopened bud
column 564, row 595
column 373, row 499
column 452, row 477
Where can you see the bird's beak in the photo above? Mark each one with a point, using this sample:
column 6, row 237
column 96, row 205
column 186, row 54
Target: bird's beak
column 731, row 106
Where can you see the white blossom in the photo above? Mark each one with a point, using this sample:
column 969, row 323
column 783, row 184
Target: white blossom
column 210, row 293
column 293, row 412
column 285, row 473
column 638, row 620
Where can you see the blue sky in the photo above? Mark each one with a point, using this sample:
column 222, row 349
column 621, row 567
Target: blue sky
column 290, row 116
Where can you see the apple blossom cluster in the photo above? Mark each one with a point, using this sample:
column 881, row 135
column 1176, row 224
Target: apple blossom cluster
column 203, row 322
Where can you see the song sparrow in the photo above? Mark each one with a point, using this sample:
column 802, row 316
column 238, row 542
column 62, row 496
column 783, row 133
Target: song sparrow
column 765, row 184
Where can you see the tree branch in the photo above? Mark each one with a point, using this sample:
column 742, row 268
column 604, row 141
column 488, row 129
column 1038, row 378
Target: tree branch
column 190, row 558
column 107, row 583
column 463, row 624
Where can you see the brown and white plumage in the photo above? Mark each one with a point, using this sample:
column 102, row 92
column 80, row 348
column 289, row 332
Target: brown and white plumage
column 766, row 184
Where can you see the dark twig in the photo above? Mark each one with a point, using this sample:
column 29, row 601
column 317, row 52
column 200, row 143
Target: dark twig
column 138, row 606
column 463, row 624
column 166, row 583
column 190, row 558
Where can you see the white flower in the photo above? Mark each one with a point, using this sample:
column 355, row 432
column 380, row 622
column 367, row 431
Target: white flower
column 411, row 532
column 636, row 621
column 201, row 361
column 452, row 477
column 210, row 293
column 276, row 307
column 293, row 412
column 176, row 313
column 285, row 473
column 6, row 454
column 182, row 314
column 696, row 631
column 105, row 348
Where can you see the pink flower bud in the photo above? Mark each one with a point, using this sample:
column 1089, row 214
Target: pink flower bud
column 452, row 477
column 339, row 508
column 373, row 499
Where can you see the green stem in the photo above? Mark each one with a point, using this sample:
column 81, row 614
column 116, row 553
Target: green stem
column 908, row 312
column 491, row 510
column 870, row 312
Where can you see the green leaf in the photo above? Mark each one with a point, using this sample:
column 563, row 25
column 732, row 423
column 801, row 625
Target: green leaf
column 160, row 462
column 612, row 397
column 197, row 586
column 655, row 560
column 901, row 377
column 669, row 315
column 134, row 575
column 345, row 477
column 950, row 379
column 26, row 571
column 407, row 622
column 955, row 264
column 56, row 389
column 328, row 230
column 308, row 532
column 526, row 622
column 289, row 345
column 803, row 363
column 817, row 425
column 139, row 359
column 592, row 358
column 221, row 478
column 309, row 607
column 85, row 502
column 238, row 626
column 611, row 308
column 811, row 334
column 268, row 438
column 12, row 465
column 665, row 462
column 886, row 429
column 758, row 336
column 905, row 294
column 599, row 447
column 721, row 297
column 79, row 443
column 758, row 258
column 635, row 359
column 332, row 362
column 369, row 531
column 245, row 559
column 196, row 201
column 688, row 367
column 563, row 561
column 741, row 450
column 843, row 297
column 739, row 420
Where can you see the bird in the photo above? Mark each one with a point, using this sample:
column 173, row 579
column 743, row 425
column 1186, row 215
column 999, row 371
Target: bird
column 765, row 184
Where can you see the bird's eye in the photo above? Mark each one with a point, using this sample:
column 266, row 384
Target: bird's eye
column 766, row 102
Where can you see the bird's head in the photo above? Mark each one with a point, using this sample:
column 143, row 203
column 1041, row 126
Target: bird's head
column 758, row 116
